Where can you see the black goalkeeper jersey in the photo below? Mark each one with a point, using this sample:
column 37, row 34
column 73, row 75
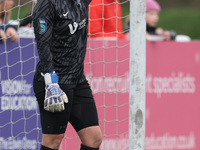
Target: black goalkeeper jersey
column 60, row 28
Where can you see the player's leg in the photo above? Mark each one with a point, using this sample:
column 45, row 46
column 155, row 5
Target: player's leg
column 90, row 138
column 53, row 127
column 85, row 121
column 51, row 141
column 84, row 118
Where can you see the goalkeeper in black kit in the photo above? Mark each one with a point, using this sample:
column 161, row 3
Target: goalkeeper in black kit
column 60, row 85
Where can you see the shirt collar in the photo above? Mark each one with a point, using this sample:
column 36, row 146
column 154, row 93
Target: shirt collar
column 78, row 1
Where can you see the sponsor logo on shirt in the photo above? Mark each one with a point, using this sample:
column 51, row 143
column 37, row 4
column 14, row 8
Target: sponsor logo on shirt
column 43, row 25
column 76, row 26
column 73, row 27
column 82, row 24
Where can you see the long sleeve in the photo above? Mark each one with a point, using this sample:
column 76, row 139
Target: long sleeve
column 43, row 21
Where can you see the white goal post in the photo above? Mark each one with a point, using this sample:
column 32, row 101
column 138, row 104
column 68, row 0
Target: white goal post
column 137, row 74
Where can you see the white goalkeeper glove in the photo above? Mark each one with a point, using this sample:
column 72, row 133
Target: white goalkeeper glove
column 54, row 96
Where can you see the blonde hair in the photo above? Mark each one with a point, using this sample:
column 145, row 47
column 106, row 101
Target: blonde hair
column 4, row 16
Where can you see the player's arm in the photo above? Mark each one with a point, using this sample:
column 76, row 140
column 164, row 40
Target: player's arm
column 43, row 20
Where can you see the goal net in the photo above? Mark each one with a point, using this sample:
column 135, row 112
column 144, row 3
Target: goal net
column 19, row 115
column 106, row 68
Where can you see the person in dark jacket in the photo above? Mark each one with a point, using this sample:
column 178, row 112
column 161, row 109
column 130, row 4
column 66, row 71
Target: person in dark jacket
column 60, row 85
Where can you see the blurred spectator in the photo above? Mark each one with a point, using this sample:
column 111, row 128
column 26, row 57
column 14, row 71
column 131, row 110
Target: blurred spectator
column 7, row 30
column 26, row 22
column 105, row 19
column 152, row 17
column 127, row 28
column 26, row 28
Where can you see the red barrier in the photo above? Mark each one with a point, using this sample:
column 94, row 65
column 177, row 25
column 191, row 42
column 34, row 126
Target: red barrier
column 172, row 94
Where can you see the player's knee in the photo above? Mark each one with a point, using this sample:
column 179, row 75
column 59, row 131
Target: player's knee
column 57, row 140
column 53, row 141
column 94, row 144
column 97, row 140
column 91, row 136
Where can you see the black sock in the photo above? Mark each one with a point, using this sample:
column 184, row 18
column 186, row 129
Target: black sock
column 83, row 147
column 45, row 148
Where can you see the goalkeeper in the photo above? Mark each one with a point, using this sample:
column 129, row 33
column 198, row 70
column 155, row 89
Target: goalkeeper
column 60, row 85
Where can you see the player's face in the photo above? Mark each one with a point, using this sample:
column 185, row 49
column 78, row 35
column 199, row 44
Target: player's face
column 152, row 18
column 7, row 5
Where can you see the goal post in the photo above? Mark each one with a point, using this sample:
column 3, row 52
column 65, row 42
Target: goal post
column 137, row 74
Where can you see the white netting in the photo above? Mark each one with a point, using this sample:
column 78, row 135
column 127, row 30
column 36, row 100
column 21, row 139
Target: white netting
column 106, row 68
column 19, row 116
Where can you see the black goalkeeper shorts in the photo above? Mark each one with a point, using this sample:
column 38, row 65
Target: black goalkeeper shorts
column 80, row 111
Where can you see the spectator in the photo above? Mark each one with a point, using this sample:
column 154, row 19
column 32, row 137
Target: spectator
column 26, row 22
column 105, row 19
column 127, row 28
column 26, row 28
column 7, row 30
column 152, row 17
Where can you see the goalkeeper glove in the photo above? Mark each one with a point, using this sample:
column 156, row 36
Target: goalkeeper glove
column 54, row 96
